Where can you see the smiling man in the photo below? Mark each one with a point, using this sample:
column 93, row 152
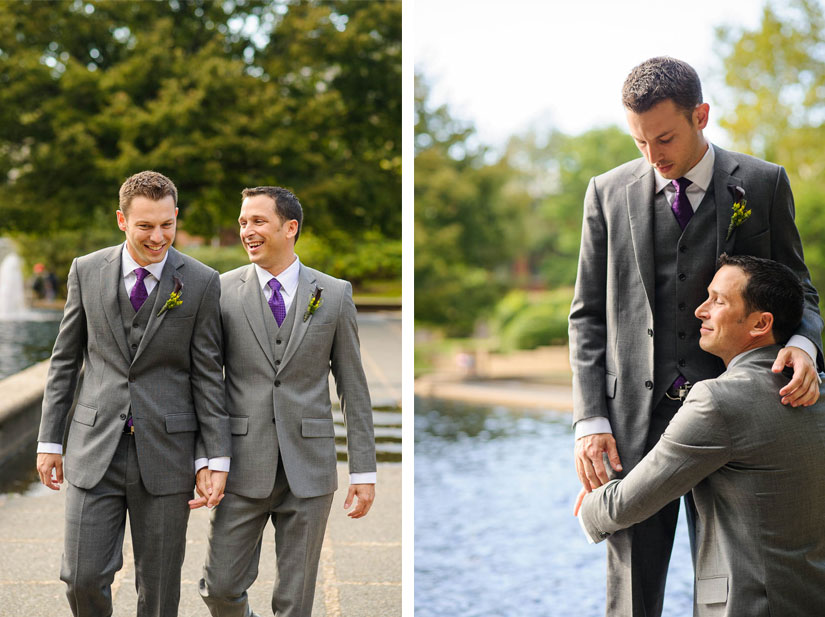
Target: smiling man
column 755, row 466
column 652, row 231
column 286, row 326
column 152, row 380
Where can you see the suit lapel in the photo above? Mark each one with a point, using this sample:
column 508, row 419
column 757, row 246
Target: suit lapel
column 306, row 289
column 640, row 196
column 165, row 286
column 249, row 296
column 723, row 167
column 110, row 278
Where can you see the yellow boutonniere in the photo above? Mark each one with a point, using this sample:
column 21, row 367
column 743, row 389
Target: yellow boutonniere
column 740, row 214
column 174, row 298
column 315, row 303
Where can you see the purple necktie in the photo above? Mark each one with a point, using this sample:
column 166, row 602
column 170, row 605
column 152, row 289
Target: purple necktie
column 681, row 206
column 276, row 302
column 139, row 295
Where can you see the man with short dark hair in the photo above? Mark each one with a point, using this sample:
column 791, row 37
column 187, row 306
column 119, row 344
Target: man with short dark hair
column 286, row 327
column 652, row 231
column 755, row 466
column 143, row 322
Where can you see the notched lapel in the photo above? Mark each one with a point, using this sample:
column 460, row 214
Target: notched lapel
column 110, row 278
column 249, row 296
column 306, row 290
column 166, row 285
column 640, row 212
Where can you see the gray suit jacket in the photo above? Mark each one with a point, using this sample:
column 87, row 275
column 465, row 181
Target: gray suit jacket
column 611, row 318
column 758, row 480
column 173, row 385
column 286, row 407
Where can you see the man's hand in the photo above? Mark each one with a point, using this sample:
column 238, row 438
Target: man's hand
column 803, row 389
column 46, row 463
column 589, row 462
column 364, row 494
column 209, row 486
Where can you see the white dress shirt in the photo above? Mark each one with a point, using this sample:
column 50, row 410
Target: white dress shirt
column 700, row 177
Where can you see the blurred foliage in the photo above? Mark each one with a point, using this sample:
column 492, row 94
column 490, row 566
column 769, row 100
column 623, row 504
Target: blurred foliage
column 465, row 232
column 775, row 107
column 218, row 95
column 485, row 224
column 368, row 259
column 528, row 320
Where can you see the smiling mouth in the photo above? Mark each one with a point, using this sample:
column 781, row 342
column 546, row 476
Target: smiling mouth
column 254, row 244
column 155, row 247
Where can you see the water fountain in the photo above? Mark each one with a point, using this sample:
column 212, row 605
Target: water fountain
column 26, row 335
column 12, row 304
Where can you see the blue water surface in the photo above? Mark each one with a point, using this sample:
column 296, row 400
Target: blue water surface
column 494, row 530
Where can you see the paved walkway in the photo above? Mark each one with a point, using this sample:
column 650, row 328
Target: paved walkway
column 360, row 573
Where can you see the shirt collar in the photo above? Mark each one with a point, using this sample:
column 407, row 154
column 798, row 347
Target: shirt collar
column 699, row 175
column 288, row 278
column 128, row 265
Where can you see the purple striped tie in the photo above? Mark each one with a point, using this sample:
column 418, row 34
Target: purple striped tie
column 681, row 206
column 276, row 302
column 139, row 294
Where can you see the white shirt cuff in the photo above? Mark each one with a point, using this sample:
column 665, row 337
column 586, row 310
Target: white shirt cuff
column 806, row 345
column 584, row 529
column 591, row 426
column 367, row 477
column 45, row 447
column 219, row 463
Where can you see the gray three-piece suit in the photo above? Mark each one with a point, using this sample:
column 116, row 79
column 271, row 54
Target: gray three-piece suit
column 633, row 331
column 166, row 371
column 283, row 436
column 755, row 467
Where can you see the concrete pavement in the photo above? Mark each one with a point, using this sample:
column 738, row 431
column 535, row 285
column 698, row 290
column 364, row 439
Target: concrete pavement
column 360, row 571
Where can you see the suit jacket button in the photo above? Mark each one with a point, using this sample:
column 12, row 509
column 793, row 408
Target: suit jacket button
column 134, row 346
column 681, row 306
column 681, row 362
column 682, row 335
column 683, row 249
column 277, row 362
column 650, row 331
column 278, row 342
column 682, row 276
column 649, row 384
column 123, row 416
column 277, row 383
column 273, row 420
column 131, row 380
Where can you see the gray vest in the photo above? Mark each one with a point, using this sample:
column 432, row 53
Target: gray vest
column 685, row 264
column 134, row 324
column 278, row 336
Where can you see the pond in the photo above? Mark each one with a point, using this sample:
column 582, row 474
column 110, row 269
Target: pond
column 23, row 343
column 494, row 530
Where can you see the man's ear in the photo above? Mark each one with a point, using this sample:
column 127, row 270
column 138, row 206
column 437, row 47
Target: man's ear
column 763, row 325
column 291, row 228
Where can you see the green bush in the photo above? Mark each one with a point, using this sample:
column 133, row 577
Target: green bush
column 369, row 258
column 539, row 319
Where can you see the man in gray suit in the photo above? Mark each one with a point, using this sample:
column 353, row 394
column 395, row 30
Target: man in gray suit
column 755, row 466
column 143, row 322
column 285, row 327
column 652, row 231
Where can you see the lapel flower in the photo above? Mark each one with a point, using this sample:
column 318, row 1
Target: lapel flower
column 314, row 303
column 174, row 298
column 740, row 214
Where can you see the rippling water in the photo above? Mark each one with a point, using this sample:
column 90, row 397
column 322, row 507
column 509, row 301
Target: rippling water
column 494, row 530
column 23, row 343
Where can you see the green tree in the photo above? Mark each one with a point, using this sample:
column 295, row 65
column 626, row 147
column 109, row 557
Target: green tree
column 774, row 106
column 218, row 95
column 465, row 235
